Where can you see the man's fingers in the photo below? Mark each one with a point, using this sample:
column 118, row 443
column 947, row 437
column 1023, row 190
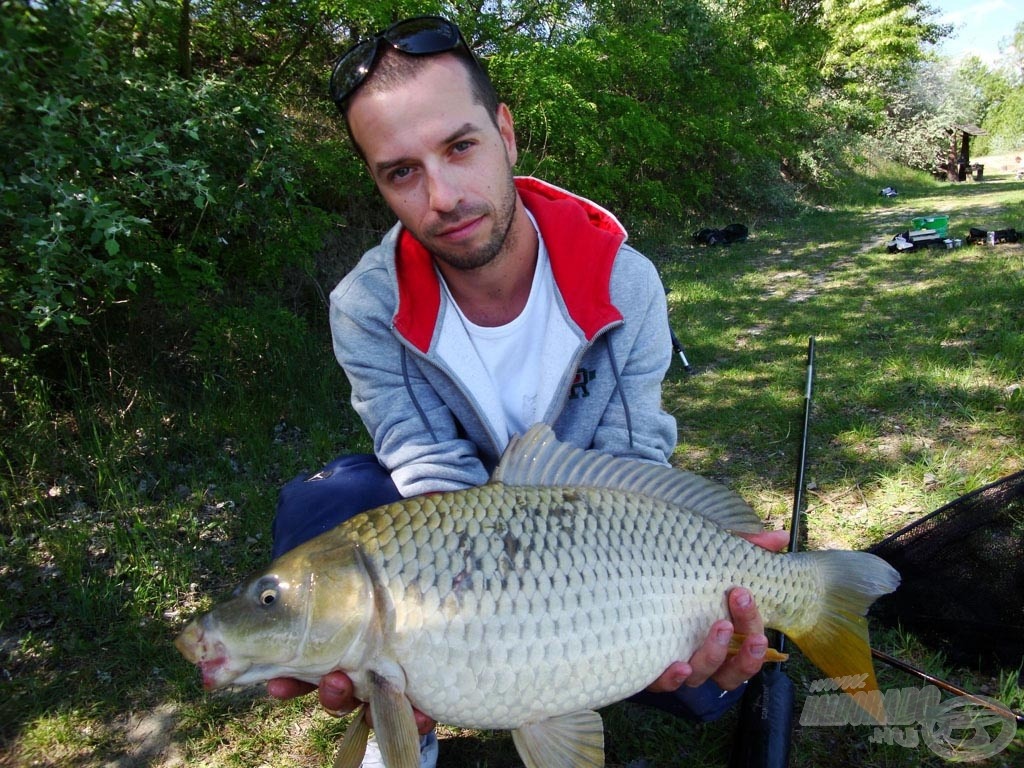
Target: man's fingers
column 424, row 724
column 776, row 541
column 671, row 678
column 711, row 660
column 744, row 665
column 747, row 623
column 337, row 695
column 746, row 618
column 288, row 688
column 707, row 659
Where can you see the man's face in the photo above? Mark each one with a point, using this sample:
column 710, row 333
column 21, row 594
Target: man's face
column 440, row 162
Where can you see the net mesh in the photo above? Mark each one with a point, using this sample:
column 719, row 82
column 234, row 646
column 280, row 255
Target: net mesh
column 962, row 569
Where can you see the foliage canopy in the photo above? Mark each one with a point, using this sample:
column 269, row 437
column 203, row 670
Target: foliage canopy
column 168, row 158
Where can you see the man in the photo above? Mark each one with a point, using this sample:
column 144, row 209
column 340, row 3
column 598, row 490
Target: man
column 495, row 303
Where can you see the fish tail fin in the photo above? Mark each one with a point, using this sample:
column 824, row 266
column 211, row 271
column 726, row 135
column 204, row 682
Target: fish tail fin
column 836, row 639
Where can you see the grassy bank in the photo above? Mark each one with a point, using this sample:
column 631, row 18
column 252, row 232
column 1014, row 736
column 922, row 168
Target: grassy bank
column 132, row 498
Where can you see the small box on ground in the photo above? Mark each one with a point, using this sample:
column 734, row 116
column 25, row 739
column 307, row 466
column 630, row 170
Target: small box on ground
column 939, row 223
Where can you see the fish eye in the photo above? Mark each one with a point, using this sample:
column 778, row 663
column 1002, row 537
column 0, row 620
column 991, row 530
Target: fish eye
column 268, row 592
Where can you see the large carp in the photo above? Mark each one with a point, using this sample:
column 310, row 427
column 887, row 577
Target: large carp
column 568, row 582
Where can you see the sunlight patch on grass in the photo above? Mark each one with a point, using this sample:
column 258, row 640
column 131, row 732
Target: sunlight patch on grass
column 127, row 510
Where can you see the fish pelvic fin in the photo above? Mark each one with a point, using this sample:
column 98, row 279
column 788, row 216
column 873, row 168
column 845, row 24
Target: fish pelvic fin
column 539, row 458
column 836, row 640
column 568, row 741
column 353, row 743
column 393, row 723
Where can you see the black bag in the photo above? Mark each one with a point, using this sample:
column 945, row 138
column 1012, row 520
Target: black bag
column 976, row 235
column 998, row 236
column 707, row 236
column 735, row 233
column 731, row 233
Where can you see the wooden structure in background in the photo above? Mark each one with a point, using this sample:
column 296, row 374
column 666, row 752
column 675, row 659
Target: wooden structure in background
column 957, row 163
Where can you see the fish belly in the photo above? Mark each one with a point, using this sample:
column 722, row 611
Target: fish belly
column 514, row 604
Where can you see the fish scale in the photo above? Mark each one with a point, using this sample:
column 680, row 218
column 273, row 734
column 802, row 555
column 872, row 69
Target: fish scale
column 570, row 581
column 481, row 597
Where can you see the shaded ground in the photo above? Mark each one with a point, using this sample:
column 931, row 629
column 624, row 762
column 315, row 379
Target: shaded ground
column 161, row 737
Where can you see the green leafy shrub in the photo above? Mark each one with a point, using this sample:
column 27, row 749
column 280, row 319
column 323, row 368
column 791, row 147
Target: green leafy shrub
column 118, row 179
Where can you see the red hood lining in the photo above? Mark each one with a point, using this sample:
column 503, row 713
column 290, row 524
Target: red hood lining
column 582, row 240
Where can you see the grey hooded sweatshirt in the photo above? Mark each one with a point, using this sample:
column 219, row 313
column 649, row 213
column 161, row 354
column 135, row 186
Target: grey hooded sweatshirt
column 427, row 427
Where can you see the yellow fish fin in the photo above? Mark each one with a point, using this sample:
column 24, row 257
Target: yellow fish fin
column 771, row 655
column 567, row 741
column 836, row 640
column 393, row 723
column 353, row 743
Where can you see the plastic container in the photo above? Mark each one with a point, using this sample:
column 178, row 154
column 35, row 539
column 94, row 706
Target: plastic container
column 939, row 223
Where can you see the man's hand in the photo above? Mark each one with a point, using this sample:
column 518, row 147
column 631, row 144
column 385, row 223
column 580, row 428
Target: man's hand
column 711, row 660
column 337, row 696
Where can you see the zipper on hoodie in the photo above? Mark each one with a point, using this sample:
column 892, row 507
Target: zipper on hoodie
column 558, row 404
column 409, row 348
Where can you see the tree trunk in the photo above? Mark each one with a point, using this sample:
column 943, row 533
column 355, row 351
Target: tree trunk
column 965, row 156
column 184, row 41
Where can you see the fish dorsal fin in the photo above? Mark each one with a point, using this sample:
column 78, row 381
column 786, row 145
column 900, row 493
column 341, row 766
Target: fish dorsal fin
column 568, row 741
column 539, row 458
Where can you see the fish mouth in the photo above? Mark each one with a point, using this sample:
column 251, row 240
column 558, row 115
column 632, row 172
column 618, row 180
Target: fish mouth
column 212, row 671
column 209, row 653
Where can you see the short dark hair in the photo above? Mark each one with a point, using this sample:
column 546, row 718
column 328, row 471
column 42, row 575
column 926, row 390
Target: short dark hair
column 395, row 67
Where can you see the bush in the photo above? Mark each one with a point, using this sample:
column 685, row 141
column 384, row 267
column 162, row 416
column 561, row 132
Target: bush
column 117, row 179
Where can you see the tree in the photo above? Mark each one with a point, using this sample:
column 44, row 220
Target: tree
column 1013, row 55
column 158, row 149
column 185, row 41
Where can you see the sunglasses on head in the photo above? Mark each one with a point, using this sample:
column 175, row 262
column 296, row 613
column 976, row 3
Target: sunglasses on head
column 419, row 36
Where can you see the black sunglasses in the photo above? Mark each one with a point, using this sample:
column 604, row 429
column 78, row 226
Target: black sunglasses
column 419, row 36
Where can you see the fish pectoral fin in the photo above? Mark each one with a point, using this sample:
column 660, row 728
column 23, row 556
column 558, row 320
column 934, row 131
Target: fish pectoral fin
column 394, row 723
column 770, row 655
column 353, row 743
column 568, row 741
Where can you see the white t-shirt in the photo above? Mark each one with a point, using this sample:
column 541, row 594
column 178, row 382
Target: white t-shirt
column 513, row 370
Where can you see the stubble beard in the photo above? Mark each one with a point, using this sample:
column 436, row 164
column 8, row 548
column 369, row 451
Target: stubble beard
column 502, row 237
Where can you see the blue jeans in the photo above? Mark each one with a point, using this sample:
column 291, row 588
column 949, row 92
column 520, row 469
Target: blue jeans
column 701, row 704
column 309, row 506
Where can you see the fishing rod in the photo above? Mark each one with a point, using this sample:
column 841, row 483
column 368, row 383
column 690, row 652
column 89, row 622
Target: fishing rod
column 765, row 729
column 764, row 732
column 947, row 686
column 794, row 534
column 677, row 347
column 801, row 471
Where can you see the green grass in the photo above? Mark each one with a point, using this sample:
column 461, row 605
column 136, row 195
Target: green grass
column 133, row 498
